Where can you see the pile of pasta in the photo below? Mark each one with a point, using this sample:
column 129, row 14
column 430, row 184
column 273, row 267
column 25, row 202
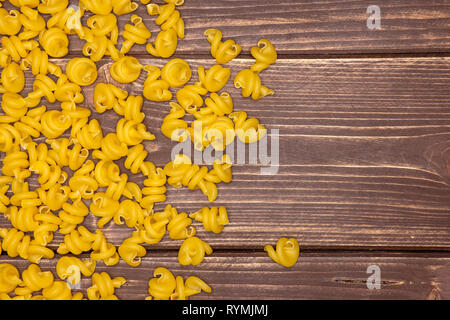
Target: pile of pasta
column 76, row 164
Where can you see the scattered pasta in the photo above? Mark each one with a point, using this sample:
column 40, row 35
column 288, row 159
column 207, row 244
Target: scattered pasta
column 286, row 252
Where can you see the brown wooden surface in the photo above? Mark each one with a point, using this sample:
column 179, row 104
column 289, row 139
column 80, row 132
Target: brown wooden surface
column 364, row 153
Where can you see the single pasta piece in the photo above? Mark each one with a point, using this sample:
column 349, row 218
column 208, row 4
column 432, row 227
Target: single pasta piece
column 102, row 7
column 165, row 44
column 214, row 218
column 81, row 71
column 124, row 6
column 215, row 78
column 176, row 72
column 60, row 290
column 156, row 89
column 192, row 285
column 9, row 277
column 16, row 49
column 107, row 96
column 190, row 97
column 173, row 127
column 10, row 24
column 103, row 286
column 223, row 52
column 264, row 54
column 125, row 70
column 250, row 83
column 33, row 23
column 134, row 33
column 286, row 253
column 193, row 250
column 162, row 285
column 12, row 78
column 34, row 279
column 131, row 250
column 55, row 42
column 169, row 18
column 71, row 268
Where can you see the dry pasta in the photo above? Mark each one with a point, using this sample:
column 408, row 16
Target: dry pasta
column 286, row 252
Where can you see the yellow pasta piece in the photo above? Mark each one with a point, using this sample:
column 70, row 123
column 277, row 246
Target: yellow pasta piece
column 111, row 148
column 83, row 186
column 192, row 285
column 125, row 70
column 47, row 6
column 134, row 33
column 71, row 268
column 43, row 86
column 165, row 44
column 129, row 212
column 264, row 54
column 218, row 104
column 156, row 89
column 54, row 123
column 102, row 7
column 192, row 251
column 106, row 172
column 286, row 253
column 215, row 78
column 169, row 18
column 154, row 190
column 90, row 135
column 12, row 78
column 223, row 52
column 124, row 6
column 34, row 279
column 81, row 71
column 131, row 108
column 250, row 84
column 55, row 42
column 104, row 207
column 179, row 226
column 10, row 137
column 107, row 96
column 190, row 97
column 33, row 23
column 162, row 285
column 214, row 218
column 176, row 72
column 9, row 22
column 173, row 127
column 38, row 61
column 132, row 132
column 248, row 130
column 131, row 250
column 71, row 215
column 16, row 49
column 104, row 25
column 60, row 290
column 9, row 277
column 103, row 286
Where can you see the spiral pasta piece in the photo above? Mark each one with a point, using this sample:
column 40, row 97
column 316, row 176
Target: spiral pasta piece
column 98, row 46
column 223, row 52
column 126, row 69
column 48, row 224
column 55, row 42
column 16, row 243
column 162, row 285
column 67, row 91
column 103, row 286
column 77, row 241
column 43, row 86
column 214, row 218
column 9, row 277
column 49, row 175
column 132, row 132
column 106, row 172
column 71, row 268
column 111, row 148
column 55, row 196
column 154, row 190
column 49, row 6
column 131, row 108
column 103, row 250
column 192, row 251
column 63, row 156
column 15, row 106
column 23, row 219
column 12, row 78
column 179, row 226
column 107, row 96
column 264, row 54
column 54, row 123
column 173, row 127
column 9, row 137
column 190, row 97
column 130, row 213
column 90, row 136
column 248, row 130
column 38, row 61
column 185, row 289
column 16, row 164
column 124, row 6
column 81, row 71
column 104, row 207
column 131, row 251
column 9, row 22
column 102, row 7
column 33, row 23
column 286, row 253
column 135, row 33
column 60, row 290
column 165, row 44
column 218, row 104
column 34, row 279
column 156, row 89
column 71, row 215
column 176, row 72
column 169, row 18
column 250, row 84
column 83, row 186
column 215, row 78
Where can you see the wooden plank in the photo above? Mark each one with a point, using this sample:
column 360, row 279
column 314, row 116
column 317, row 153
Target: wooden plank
column 316, row 276
column 363, row 156
column 306, row 27
column 311, row 27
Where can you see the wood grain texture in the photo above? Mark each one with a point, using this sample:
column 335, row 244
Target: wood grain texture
column 305, row 27
column 311, row 27
column 364, row 153
column 254, row 276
